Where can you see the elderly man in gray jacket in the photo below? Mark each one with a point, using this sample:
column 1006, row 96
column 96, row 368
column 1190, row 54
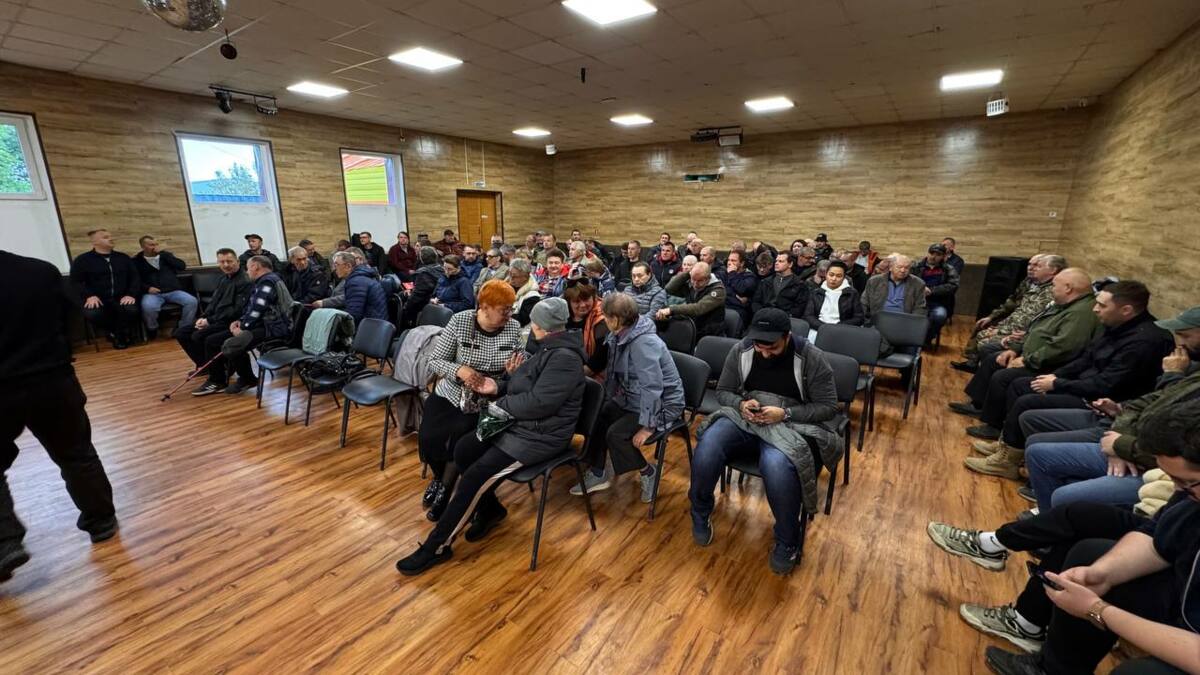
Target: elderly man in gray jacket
column 779, row 406
column 894, row 291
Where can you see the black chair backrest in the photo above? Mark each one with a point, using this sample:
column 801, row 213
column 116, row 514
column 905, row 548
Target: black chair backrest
column 902, row 330
column 434, row 315
column 860, row 343
column 694, row 373
column 733, row 323
column 593, row 401
column 714, row 350
column 800, row 327
column 679, row 334
column 374, row 338
column 845, row 376
column 205, row 283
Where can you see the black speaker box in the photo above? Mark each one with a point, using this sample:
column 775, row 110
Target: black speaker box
column 1004, row 274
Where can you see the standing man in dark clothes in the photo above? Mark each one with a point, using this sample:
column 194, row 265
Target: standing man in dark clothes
column 158, row 269
column 255, row 242
column 110, row 288
column 377, row 257
column 202, row 340
column 39, row 392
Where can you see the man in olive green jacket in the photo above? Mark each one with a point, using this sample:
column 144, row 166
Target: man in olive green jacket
column 1055, row 337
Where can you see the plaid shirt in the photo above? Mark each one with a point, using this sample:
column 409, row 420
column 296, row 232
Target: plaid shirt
column 461, row 343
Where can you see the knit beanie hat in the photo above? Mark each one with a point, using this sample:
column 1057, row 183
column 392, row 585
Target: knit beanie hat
column 551, row 314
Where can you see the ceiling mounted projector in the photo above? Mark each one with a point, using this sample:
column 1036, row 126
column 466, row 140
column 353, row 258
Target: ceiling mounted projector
column 190, row 15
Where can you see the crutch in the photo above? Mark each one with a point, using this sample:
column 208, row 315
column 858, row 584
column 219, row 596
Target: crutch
column 191, row 375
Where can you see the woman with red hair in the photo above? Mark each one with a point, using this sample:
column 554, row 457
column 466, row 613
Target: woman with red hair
column 477, row 344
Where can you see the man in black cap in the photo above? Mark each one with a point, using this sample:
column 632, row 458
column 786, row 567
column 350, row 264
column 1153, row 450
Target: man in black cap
column 778, row 405
column 39, row 392
column 822, row 247
column 255, row 242
column 941, row 285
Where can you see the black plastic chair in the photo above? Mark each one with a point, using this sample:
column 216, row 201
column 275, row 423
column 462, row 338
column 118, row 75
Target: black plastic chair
column 845, row 380
column 593, row 399
column 860, row 343
column 800, row 327
column 679, row 333
column 369, row 389
column 277, row 356
column 694, row 374
column 373, row 339
column 904, row 331
column 733, row 323
column 434, row 315
column 713, row 350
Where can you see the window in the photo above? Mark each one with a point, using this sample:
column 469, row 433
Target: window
column 231, row 193
column 223, row 170
column 18, row 177
column 29, row 223
column 368, row 179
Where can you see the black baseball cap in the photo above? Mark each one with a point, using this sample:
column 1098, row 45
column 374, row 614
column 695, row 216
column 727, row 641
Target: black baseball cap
column 769, row 324
column 254, row 236
column 822, row 237
column 937, row 248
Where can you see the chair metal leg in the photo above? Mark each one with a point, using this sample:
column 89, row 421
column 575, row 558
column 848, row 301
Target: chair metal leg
column 383, row 447
column 862, row 426
column 345, row 422
column 424, row 470
column 258, row 394
column 660, row 454
column 308, row 408
column 871, row 414
column 829, row 490
column 530, row 484
column 537, row 532
column 846, row 470
column 912, row 378
column 287, row 404
column 587, row 499
column 917, row 385
column 687, row 443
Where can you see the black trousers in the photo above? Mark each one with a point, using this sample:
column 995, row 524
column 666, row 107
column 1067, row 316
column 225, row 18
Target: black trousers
column 52, row 408
column 1146, row 666
column 482, row 467
column 1075, row 645
column 1020, row 398
column 615, row 430
column 113, row 317
column 202, row 345
column 442, row 424
column 1060, row 529
column 989, row 385
column 239, row 362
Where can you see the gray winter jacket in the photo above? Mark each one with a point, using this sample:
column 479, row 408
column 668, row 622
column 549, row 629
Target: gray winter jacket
column 650, row 298
column 641, row 376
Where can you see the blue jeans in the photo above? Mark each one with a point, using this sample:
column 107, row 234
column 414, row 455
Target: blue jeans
column 1063, row 473
column 724, row 440
column 938, row 316
column 152, row 304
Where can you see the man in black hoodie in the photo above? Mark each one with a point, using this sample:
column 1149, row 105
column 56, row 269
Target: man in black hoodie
column 203, row 338
column 110, row 286
column 157, row 269
column 39, row 392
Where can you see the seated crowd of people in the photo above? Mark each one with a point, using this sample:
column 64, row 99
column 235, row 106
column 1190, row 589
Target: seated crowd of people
column 1077, row 389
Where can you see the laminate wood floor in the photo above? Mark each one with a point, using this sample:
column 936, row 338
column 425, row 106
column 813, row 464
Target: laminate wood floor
column 248, row 546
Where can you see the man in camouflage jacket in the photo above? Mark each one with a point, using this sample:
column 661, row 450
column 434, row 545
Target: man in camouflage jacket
column 1016, row 313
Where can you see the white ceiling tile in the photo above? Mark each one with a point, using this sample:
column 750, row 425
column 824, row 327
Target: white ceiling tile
column 450, row 14
column 546, row 52
column 37, row 60
column 54, row 37
column 504, row 35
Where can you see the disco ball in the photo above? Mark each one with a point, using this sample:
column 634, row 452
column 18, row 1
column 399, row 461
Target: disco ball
column 189, row 15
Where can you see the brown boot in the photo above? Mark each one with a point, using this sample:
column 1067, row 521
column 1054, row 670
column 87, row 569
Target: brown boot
column 986, row 448
column 1004, row 462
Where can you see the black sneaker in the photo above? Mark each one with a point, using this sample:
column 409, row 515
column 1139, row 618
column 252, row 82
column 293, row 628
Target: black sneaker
column 1026, row 492
column 965, row 366
column 422, row 559
column 482, row 524
column 208, row 388
column 431, row 492
column 966, row 408
column 151, row 334
column 985, row 431
column 1026, row 515
column 784, row 558
column 1007, row 663
column 104, row 531
column 702, row 532
column 11, row 559
column 241, row 384
column 120, row 343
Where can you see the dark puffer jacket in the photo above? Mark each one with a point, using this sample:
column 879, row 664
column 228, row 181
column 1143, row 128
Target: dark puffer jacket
column 364, row 295
column 545, row 395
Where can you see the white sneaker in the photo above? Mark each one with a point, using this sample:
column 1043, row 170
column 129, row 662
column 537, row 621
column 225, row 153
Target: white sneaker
column 593, row 482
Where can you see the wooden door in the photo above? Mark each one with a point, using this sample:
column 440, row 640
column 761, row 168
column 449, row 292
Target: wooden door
column 478, row 217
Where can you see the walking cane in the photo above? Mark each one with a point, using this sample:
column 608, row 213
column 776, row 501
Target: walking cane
column 191, row 375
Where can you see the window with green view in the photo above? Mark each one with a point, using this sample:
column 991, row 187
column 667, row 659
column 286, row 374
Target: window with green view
column 14, row 166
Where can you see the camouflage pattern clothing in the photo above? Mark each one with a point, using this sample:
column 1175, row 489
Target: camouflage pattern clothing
column 1015, row 314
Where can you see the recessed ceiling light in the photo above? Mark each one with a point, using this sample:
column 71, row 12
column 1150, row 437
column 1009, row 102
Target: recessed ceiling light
column 770, row 104
column 531, row 132
column 427, row 59
column 605, row 12
column 632, row 120
column 972, row 80
column 314, row 89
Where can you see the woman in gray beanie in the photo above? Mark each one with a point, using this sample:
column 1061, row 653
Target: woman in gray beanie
column 543, row 395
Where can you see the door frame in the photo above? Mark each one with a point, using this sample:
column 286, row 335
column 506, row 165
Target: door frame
column 496, row 194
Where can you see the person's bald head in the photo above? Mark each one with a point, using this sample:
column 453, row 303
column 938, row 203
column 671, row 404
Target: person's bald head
column 1071, row 284
column 700, row 274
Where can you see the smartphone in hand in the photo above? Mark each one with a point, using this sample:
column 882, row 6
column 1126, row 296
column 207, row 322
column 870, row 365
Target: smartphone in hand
column 1036, row 570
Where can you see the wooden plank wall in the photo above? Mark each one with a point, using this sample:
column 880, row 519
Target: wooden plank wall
column 1136, row 199
column 990, row 183
column 112, row 156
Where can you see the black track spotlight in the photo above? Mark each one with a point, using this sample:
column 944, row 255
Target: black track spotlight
column 224, row 101
column 227, row 49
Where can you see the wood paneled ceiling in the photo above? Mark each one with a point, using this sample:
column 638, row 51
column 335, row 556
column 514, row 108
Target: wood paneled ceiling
column 690, row 65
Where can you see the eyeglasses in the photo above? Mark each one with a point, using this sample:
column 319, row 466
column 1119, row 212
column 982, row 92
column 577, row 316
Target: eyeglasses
column 1180, row 485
